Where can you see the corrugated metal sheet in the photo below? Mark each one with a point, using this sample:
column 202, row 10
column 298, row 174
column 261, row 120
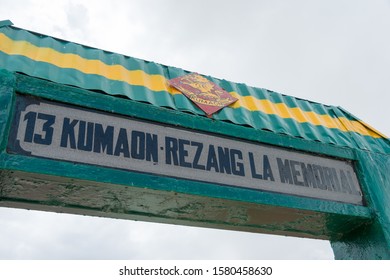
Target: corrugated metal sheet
column 89, row 68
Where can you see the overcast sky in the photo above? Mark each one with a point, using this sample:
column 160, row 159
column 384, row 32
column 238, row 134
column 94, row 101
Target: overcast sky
column 334, row 52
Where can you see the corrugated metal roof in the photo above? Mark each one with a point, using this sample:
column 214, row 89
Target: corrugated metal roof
column 89, row 68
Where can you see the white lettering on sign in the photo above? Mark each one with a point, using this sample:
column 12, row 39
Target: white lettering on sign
column 69, row 133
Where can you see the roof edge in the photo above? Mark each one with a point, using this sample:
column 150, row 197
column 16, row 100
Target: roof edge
column 6, row 22
column 365, row 124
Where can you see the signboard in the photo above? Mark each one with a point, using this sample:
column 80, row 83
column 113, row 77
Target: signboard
column 68, row 133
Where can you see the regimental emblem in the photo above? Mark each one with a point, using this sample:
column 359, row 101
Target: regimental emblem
column 208, row 96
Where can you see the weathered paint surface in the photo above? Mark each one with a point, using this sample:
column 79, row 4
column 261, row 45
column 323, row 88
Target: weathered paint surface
column 370, row 241
column 132, row 202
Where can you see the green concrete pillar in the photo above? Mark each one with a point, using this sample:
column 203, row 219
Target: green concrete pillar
column 371, row 241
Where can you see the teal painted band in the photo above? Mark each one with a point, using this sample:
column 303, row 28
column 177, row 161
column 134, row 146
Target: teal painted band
column 7, row 85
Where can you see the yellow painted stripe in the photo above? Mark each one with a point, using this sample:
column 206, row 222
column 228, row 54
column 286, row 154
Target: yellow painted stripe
column 88, row 66
column 159, row 83
column 282, row 110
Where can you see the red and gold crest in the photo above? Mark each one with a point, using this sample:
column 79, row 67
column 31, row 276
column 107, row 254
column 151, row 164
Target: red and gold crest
column 205, row 94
